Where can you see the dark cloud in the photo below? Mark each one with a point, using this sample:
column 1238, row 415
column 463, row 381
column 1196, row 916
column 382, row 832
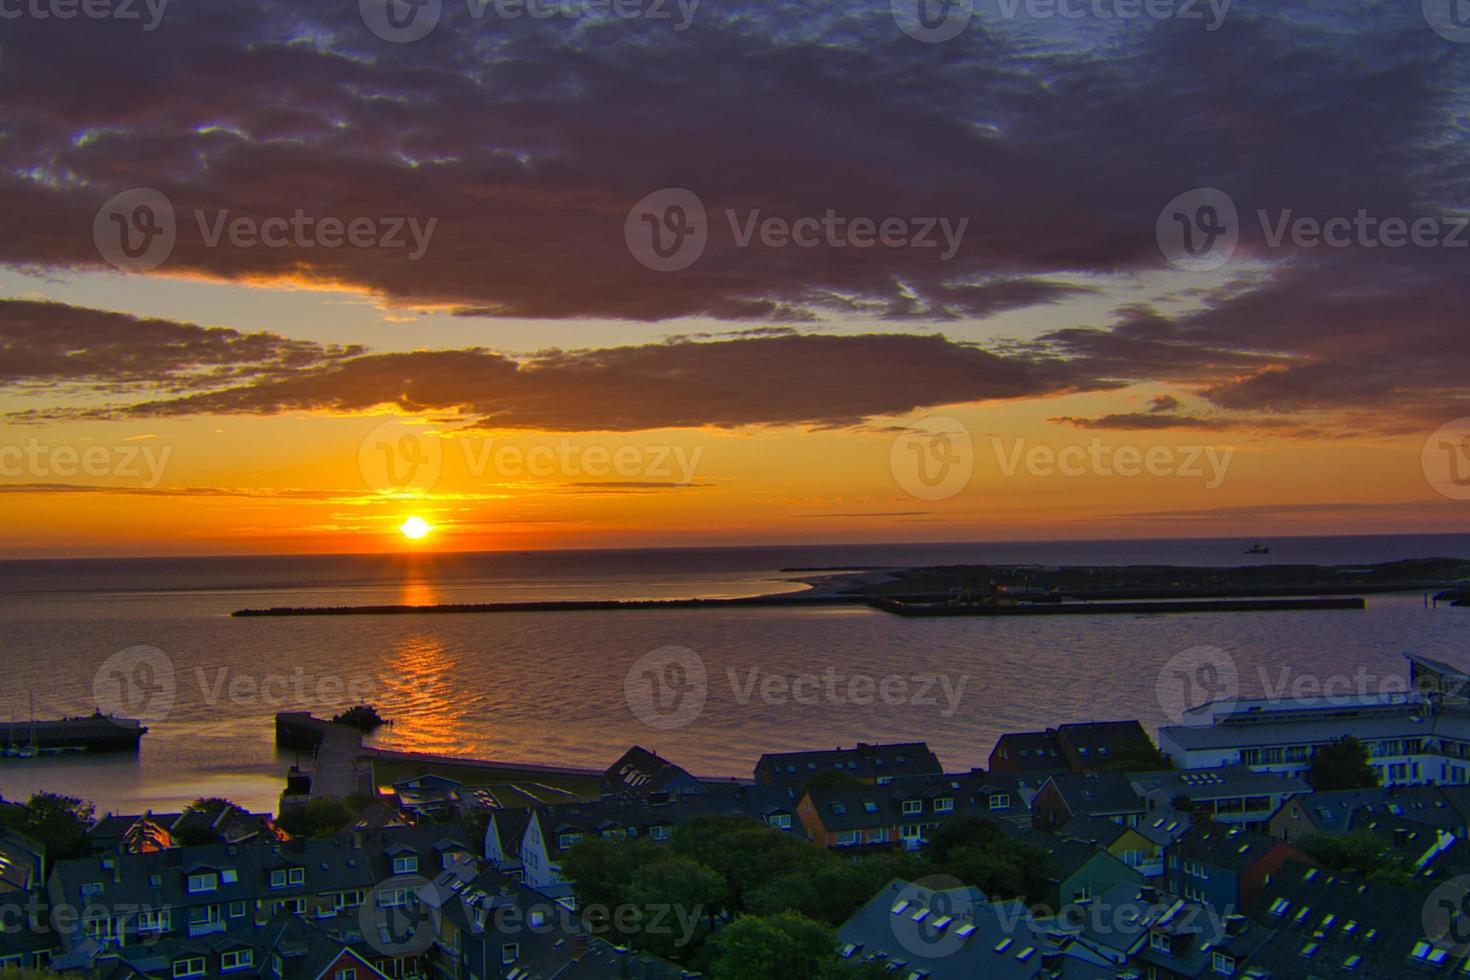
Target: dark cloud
column 1142, row 420
column 56, row 344
column 529, row 141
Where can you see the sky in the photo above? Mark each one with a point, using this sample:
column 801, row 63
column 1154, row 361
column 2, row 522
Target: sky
column 275, row 277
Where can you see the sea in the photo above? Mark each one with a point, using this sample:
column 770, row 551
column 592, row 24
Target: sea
column 562, row 688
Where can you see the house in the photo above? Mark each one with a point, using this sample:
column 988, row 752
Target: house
column 286, row 948
column 22, row 862
column 1333, row 925
column 1422, row 736
column 550, row 831
column 1081, row 870
column 955, row 934
column 1070, row 795
column 1128, row 844
column 1222, row 866
column 904, row 811
column 217, row 821
column 1076, row 748
column 492, row 926
column 1333, row 812
column 864, row 763
column 24, row 942
column 1230, row 795
column 1028, row 753
column 429, row 795
column 1190, row 941
column 1092, row 745
column 641, row 774
column 196, row 892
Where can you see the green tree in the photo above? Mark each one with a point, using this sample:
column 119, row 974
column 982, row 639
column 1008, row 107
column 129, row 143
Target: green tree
column 1342, row 764
column 321, row 817
column 1359, row 851
column 60, row 823
column 978, row 852
column 601, row 869
column 786, row 945
column 745, row 852
column 688, row 887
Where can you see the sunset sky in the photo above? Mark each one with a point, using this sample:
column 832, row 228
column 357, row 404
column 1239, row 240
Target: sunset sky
column 520, row 378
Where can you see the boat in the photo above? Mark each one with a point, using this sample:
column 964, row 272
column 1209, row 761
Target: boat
column 91, row 733
column 1258, row 549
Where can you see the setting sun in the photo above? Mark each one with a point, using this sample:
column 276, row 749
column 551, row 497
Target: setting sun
column 415, row 528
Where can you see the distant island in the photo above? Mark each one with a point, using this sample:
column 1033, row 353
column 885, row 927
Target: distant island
column 1030, row 590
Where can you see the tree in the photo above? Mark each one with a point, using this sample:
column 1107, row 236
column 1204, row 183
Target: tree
column 1360, row 851
column 1342, row 764
column 601, row 869
column 321, row 817
column 687, row 887
column 757, row 947
column 978, row 852
column 59, row 823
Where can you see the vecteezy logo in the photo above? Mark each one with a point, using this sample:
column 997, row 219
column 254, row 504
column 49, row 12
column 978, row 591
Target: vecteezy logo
column 138, row 682
column 926, row 916
column 933, row 458
column 1446, row 459
column 1199, row 675
column 396, row 457
column 667, row 230
column 1446, row 916
column 666, row 688
column 932, row 21
column 1450, row 19
column 401, row 916
column 135, row 231
column 1199, row 230
column 401, row 21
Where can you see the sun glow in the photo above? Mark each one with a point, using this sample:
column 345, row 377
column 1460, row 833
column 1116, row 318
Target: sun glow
column 415, row 528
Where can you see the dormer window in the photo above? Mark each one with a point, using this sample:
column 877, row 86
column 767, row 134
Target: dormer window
column 203, row 881
column 913, row 806
column 406, row 864
column 944, row 804
column 1000, row 801
column 191, row 967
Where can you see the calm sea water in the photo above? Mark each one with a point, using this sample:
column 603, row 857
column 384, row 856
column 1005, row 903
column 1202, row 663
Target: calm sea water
column 549, row 687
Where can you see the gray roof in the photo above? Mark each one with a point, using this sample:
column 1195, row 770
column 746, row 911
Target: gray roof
column 990, row 950
column 1220, row 783
column 871, row 806
column 1098, row 793
column 863, row 761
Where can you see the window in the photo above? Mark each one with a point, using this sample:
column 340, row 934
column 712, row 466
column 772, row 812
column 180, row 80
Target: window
column 1160, row 942
column 910, row 831
column 278, row 878
column 236, row 959
column 345, row 975
column 192, row 967
column 1000, row 801
column 297, row 876
column 1222, row 964
column 509, row 953
column 237, row 910
column 944, row 805
column 879, row 836
column 206, row 881
column 781, row 821
column 658, row 832
column 229, row 876
column 409, row 863
column 847, row 838
column 913, row 806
